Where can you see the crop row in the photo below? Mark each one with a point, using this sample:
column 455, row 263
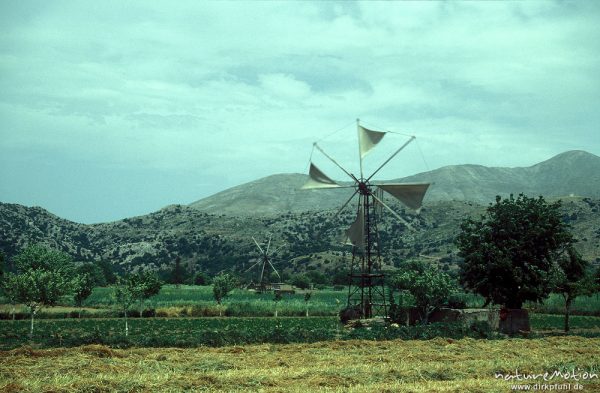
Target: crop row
column 194, row 332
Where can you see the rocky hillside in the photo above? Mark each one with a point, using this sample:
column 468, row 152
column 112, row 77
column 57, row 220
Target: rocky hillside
column 211, row 243
column 574, row 173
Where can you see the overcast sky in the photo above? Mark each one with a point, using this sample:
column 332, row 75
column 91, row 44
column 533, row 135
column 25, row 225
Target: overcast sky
column 115, row 109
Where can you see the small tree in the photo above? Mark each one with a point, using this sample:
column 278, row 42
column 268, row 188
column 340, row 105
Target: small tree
column 277, row 298
column 37, row 289
column 124, row 295
column 145, row 285
column 82, row 285
column 571, row 280
column 222, row 285
column 508, row 253
column 429, row 287
column 43, row 277
column 307, row 297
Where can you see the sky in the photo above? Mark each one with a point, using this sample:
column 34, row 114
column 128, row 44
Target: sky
column 111, row 109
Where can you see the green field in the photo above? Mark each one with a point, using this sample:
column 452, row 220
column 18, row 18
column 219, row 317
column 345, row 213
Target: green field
column 197, row 301
column 214, row 332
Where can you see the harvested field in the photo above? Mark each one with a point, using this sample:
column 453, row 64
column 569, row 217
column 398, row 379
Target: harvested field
column 438, row 365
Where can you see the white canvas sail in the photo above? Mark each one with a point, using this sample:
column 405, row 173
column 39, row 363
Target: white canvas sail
column 409, row 194
column 355, row 235
column 367, row 139
column 317, row 179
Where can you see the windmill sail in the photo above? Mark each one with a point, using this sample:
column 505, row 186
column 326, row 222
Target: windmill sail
column 355, row 235
column 409, row 194
column 317, row 179
column 367, row 139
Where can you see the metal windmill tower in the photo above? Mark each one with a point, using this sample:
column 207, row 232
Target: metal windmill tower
column 366, row 285
column 262, row 262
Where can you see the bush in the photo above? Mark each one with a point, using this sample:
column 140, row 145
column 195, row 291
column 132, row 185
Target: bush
column 457, row 300
column 349, row 313
column 149, row 313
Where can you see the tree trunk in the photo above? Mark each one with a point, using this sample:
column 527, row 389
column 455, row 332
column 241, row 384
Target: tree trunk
column 32, row 311
column 568, row 301
column 141, row 307
column 307, row 311
column 126, row 325
column 14, row 310
column 276, row 313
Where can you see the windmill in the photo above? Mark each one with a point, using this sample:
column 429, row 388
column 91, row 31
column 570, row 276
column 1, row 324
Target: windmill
column 262, row 263
column 366, row 288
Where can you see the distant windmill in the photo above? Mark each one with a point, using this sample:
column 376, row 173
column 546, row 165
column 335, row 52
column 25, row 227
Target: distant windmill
column 366, row 290
column 263, row 261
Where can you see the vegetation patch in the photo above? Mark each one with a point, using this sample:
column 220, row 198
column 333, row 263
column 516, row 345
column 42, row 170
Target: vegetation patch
column 437, row 365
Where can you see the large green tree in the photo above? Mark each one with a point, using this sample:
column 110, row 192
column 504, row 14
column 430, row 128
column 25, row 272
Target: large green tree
column 508, row 253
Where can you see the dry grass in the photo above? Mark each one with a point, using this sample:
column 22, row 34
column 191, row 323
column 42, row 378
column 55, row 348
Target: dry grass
column 439, row 365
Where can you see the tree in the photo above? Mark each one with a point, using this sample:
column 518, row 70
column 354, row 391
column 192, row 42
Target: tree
column 307, row 297
column 277, row 298
column 222, row 285
column 200, row 279
column 2, row 267
column 145, row 285
column 317, row 277
column 301, row 281
column 341, row 277
column 95, row 272
column 570, row 279
column 429, row 287
column 10, row 289
column 124, row 292
column 177, row 273
column 108, row 271
column 134, row 288
column 508, row 253
column 82, row 286
column 43, row 277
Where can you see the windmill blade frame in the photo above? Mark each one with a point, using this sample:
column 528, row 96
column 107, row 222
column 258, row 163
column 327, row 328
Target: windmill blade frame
column 412, row 138
column 398, row 216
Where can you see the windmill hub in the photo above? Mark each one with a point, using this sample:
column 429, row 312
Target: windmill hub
column 364, row 187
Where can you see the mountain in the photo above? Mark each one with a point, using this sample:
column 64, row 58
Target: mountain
column 215, row 233
column 570, row 173
column 306, row 240
column 272, row 195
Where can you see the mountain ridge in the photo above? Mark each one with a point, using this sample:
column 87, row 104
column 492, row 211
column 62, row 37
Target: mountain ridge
column 574, row 172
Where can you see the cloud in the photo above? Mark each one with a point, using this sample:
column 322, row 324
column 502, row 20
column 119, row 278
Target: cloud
column 239, row 90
